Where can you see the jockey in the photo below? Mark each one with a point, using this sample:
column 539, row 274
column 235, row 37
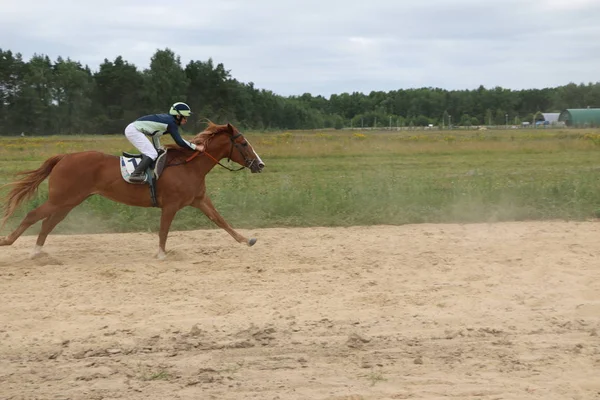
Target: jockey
column 154, row 126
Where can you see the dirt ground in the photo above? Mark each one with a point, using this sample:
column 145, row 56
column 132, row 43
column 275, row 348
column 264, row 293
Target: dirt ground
column 485, row 311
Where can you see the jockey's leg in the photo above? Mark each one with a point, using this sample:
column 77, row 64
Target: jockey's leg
column 149, row 153
column 138, row 174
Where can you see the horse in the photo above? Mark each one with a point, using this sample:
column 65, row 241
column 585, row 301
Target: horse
column 73, row 177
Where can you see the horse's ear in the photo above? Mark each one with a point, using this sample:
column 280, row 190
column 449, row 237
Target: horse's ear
column 230, row 128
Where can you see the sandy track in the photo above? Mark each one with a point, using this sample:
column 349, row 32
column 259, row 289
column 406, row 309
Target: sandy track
column 486, row 311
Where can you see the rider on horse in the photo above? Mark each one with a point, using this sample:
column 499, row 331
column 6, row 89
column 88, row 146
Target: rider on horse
column 154, row 126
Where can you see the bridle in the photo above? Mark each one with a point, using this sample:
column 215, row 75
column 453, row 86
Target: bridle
column 238, row 146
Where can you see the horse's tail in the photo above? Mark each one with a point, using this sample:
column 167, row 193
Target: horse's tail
column 24, row 188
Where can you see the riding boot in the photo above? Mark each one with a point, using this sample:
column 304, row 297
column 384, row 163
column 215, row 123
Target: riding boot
column 138, row 174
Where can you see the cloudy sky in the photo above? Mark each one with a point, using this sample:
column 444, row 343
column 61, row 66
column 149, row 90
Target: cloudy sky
column 327, row 46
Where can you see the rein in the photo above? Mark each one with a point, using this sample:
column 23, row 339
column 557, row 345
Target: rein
column 197, row 153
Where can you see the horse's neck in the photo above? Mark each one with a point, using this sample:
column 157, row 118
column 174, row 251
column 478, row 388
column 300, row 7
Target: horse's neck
column 198, row 168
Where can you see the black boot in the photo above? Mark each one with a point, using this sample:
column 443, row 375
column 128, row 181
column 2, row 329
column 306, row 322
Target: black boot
column 138, row 175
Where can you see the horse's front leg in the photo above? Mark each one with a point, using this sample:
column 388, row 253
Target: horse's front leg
column 205, row 205
column 166, row 217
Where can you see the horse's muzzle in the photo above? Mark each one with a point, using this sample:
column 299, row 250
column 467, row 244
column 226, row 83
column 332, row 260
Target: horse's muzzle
column 255, row 166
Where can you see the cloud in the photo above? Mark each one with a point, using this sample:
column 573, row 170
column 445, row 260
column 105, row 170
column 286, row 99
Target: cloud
column 328, row 46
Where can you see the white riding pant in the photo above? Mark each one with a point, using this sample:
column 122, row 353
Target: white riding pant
column 140, row 142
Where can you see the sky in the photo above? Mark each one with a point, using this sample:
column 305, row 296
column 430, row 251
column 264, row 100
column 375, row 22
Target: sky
column 326, row 47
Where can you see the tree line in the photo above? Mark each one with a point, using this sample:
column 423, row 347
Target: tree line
column 43, row 96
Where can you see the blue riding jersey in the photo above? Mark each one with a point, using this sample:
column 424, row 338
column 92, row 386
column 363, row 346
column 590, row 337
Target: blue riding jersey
column 156, row 125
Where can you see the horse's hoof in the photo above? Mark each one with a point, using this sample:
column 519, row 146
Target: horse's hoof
column 251, row 242
column 161, row 255
column 36, row 255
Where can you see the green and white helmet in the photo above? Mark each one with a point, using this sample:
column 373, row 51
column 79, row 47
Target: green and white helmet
column 180, row 108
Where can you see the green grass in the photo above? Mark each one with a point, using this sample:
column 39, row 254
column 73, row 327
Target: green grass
column 361, row 178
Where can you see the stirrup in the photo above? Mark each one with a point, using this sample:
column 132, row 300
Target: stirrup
column 137, row 178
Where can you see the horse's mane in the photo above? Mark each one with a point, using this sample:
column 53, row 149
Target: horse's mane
column 208, row 133
column 176, row 153
column 202, row 138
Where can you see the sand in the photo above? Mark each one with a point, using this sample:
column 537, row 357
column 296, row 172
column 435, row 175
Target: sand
column 483, row 311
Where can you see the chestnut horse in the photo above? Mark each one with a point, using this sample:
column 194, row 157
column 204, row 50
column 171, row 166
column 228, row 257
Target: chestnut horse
column 76, row 176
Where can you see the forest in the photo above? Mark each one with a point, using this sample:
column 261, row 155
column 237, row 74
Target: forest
column 41, row 96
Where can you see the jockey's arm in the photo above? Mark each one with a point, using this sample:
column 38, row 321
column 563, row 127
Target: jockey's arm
column 174, row 131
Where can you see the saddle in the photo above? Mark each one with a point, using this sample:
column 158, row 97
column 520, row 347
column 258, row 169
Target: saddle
column 129, row 161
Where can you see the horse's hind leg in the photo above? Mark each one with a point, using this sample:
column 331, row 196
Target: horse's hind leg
column 42, row 212
column 47, row 226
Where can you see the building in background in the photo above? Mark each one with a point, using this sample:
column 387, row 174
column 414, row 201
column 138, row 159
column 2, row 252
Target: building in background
column 550, row 118
column 581, row 117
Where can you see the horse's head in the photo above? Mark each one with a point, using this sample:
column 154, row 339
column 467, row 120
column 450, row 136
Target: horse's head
column 221, row 141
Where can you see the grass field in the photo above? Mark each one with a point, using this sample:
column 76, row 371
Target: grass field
column 343, row 178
